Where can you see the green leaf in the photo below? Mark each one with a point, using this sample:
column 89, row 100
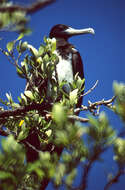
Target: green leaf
column 9, row 97
column 62, row 137
column 10, row 46
column 119, row 149
column 23, row 134
column 6, row 175
column 59, row 175
column 53, row 44
column 59, row 114
column 10, row 145
column 45, row 39
column 46, row 58
column 70, row 177
column 23, row 46
column 44, row 156
column 15, row 105
column 48, row 132
column 20, row 36
column 24, row 66
column 23, row 97
column 80, row 83
column 29, row 94
column 20, row 72
column 41, row 50
column 33, row 50
column 39, row 60
column 73, row 96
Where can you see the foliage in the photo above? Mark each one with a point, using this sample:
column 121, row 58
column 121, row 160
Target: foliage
column 13, row 20
column 46, row 108
column 15, row 16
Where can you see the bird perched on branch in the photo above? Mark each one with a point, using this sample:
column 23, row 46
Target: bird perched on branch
column 70, row 62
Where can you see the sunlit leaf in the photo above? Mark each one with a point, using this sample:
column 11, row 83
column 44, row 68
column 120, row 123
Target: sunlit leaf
column 29, row 94
column 48, row 132
column 23, row 46
column 33, row 50
column 20, row 72
column 53, row 41
column 20, row 36
column 73, row 96
column 41, row 50
column 24, row 97
column 10, row 46
column 9, row 97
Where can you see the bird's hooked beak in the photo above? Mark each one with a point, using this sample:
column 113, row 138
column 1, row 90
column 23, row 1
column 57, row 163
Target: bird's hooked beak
column 71, row 31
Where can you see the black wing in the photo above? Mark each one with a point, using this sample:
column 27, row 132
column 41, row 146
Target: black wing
column 77, row 68
column 77, row 63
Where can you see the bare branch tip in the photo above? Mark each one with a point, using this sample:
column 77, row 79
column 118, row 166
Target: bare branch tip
column 91, row 89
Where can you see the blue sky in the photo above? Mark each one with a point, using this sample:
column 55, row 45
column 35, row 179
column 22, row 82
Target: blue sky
column 103, row 55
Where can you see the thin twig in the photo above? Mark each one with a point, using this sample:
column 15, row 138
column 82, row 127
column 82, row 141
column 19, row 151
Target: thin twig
column 94, row 106
column 32, row 147
column 77, row 118
column 114, row 179
column 30, row 9
column 5, row 53
column 91, row 89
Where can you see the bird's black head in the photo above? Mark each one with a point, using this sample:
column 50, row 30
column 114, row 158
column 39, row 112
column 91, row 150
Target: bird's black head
column 59, row 31
column 63, row 31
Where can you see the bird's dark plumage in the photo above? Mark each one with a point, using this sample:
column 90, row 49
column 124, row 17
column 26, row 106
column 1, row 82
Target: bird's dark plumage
column 58, row 31
column 70, row 61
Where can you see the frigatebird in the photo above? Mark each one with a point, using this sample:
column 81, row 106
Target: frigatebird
column 70, row 62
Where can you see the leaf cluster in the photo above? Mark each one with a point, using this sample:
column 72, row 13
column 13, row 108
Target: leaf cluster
column 14, row 20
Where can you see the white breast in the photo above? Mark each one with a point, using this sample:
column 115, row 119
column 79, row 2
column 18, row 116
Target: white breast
column 64, row 68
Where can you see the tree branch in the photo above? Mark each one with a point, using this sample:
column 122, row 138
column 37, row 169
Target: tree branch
column 31, row 9
column 32, row 147
column 77, row 118
column 92, row 107
column 91, row 89
column 87, row 167
column 43, row 107
column 115, row 178
column 24, row 109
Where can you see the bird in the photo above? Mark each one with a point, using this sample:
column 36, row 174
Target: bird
column 70, row 61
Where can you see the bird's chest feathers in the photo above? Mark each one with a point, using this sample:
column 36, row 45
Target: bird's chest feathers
column 64, row 68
